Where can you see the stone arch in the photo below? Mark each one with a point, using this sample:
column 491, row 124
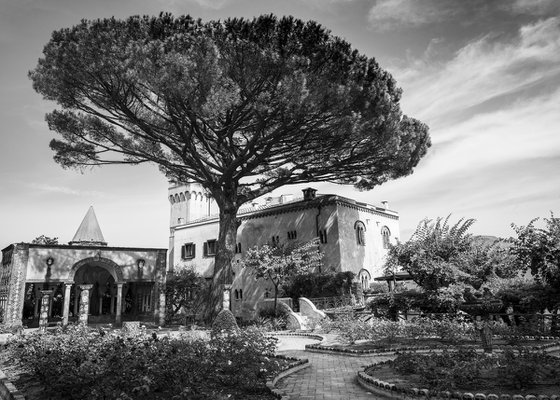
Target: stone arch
column 182, row 197
column 113, row 268
column 171, row 199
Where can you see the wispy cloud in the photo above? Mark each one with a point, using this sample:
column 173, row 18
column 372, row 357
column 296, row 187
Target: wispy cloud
column 397, row 14
column 535, row 7
column 180, row 5
column 65, row 190
column 389, row 14
column 483, row 70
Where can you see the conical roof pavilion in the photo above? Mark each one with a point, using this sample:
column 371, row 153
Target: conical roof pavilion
column 89, row 232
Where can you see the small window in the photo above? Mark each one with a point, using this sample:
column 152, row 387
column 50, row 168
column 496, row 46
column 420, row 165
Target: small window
column 292, row 235
column 210, row 248
column 360, row 229
column 188, row 251
column 323, row 236
column 276, row 240
column 386, row 236
column 238, row 248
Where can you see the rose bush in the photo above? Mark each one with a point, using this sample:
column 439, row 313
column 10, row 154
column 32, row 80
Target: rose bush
column 79, row 363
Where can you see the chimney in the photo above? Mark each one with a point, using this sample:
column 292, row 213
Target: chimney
column 309, row 193
column 385, row 204
column 286, row 198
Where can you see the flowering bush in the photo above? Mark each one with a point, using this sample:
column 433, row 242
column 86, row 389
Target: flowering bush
column 78, row 363
column 351, row 330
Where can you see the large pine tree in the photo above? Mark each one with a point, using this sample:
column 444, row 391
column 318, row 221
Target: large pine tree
column 240, row 106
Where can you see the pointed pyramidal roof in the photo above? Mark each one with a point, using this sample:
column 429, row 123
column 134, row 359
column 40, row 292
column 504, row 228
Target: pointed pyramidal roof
column 89, row 232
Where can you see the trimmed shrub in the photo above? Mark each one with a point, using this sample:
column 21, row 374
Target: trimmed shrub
column 224, row 322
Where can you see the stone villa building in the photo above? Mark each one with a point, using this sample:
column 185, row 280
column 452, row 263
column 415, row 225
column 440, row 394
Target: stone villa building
column 353, row 236
column 119, row 282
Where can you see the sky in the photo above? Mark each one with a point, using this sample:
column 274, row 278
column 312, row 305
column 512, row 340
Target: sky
column 483, row 74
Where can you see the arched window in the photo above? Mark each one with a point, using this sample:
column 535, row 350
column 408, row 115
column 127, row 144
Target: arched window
column 360, row 229
column 386, row 236
column 364, row 278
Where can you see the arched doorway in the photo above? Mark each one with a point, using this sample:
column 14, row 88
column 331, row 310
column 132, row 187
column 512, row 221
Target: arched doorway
column 102, row 296
column 103, row 280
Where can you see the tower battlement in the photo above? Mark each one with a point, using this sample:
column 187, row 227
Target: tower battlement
column 188, row 202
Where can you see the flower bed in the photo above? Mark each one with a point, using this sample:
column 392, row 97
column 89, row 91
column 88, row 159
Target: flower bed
column 466, row 374
column 79, row 363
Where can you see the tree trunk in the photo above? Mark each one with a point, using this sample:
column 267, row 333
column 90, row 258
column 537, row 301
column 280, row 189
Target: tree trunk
column 225, row 249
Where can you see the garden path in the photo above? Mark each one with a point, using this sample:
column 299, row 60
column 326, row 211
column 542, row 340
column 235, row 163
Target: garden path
column 330, row 376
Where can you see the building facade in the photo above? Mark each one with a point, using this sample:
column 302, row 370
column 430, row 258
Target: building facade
column 120, row 282
column 353, row 236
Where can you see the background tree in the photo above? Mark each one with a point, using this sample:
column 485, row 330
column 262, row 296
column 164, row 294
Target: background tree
column 185, row 293
column 538, row 250
column 45, row 240
column 281, row 263
column 240, row 106
column 445, row 259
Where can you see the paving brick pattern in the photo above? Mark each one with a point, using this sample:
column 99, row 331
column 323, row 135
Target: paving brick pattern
column 330, row 376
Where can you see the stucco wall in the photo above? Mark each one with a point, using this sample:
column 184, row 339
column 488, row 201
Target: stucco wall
column 370, row 256
column 65, row 258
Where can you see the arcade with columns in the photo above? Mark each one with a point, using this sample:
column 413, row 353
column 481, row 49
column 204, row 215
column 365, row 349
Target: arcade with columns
column 85, row 280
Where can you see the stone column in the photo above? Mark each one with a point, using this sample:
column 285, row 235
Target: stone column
column 161, row 305
column 112, row 303
column 76, row 299
column 118, row 319
column 84, row 304
column 51, row 303
column 44, row 316
column 66, row 307
column 226, row 305
column 37, row 301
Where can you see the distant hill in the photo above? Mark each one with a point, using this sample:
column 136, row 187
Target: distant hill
column 488, row 240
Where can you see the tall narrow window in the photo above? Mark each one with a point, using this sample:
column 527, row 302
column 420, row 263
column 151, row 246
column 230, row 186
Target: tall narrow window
column 292, row 235
column 323, row 236
column 276, row 240
column 360, row 229
column 188, row 251
column 386, row 236
column 238, row 248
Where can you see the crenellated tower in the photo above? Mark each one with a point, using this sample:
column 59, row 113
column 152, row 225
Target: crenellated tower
column 189, row 202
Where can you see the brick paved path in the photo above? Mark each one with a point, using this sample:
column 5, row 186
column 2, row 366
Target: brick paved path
column 330, row 376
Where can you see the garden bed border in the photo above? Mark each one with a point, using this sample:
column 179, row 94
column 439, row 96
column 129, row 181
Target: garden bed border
column 8, row 391
column 320, row 348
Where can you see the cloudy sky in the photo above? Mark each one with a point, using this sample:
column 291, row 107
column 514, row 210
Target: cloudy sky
column 483, row 74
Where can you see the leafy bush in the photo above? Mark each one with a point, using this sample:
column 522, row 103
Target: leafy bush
column 78, row 363
column 243, row 357
column 523, row 369
column 444, row 370
column 224, row 322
